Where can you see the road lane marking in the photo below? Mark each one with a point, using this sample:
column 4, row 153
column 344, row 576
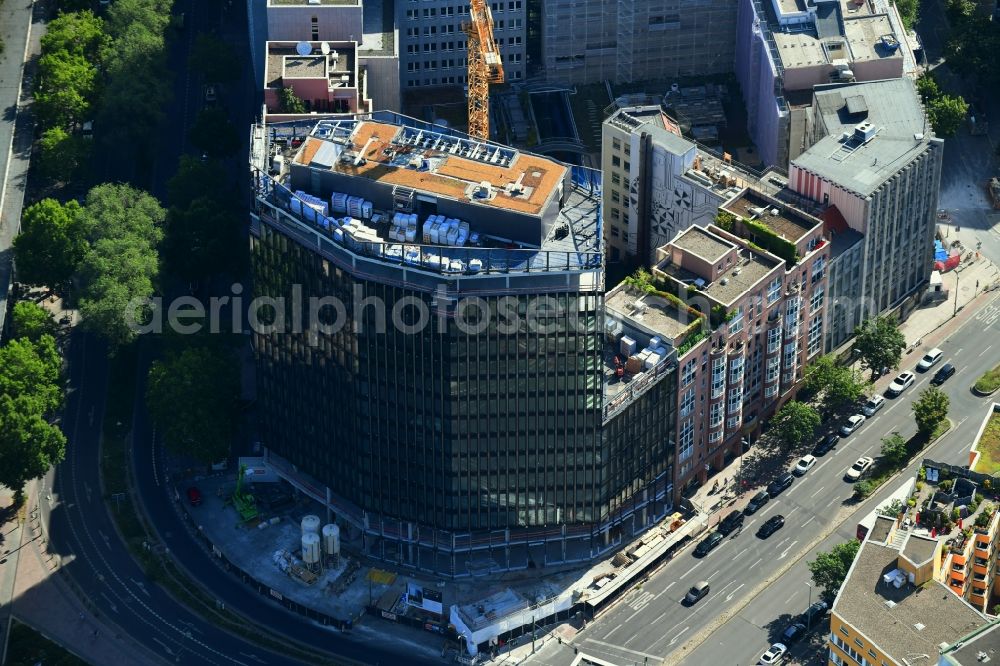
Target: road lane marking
column 784, row 553
column 755, row 563
column 818, row 491
column 619, row 626
column 640, row 601
column 985, row 350
column 737, row 556
column 625, row 649
column 808, row 521
column 664, row 591
column 677, row 637
column 823, row 463
column 729, row 597
column 690, row 570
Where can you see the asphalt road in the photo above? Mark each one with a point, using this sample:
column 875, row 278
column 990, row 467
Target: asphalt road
column 650, row 623
column 83, row 535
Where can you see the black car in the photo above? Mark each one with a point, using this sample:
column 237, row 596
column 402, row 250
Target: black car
column 778, row 485
column 826, row 445
column 756, row 502
column 730, row 522
column 814, row 613
column 771, row 525
column 942, row 375
column 707, row 544
column 793, row 633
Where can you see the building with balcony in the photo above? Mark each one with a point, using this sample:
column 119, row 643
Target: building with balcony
column 873, row 158
column 743, row 322
column 362, row 43
column 329, row 78
column 784, row 48
column 432, row 41
column 632, row 40
column 450, row 398
column 892, row 610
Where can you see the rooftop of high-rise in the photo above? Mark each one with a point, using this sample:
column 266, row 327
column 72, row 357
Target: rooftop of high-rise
column 403, row 191
column 873, row 130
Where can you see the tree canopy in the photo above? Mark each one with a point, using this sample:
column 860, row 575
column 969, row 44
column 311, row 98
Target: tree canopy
column 833, row 384
column 930, row 409
column 192, row 397
column 60, row 154
column 829, row 569
column 795, row 423
column 79, row 33
column 879, row 343
column 894, row 450
column 29, row 444
column 290, row 102
column 65, row 90
column 51, row 244
column 30, row 320
column 121, row 265
column 214, row 59
column 947, row 114
column 31, row 371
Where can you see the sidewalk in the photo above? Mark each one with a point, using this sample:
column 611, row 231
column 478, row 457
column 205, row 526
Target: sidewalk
column 34, row 591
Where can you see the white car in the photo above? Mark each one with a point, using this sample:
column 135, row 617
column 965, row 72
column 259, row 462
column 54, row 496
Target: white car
column 873, row 405
column 930, row 359
column 859, row 468
column 853, row 423
column 804, row 465
column 774, row 655
column 901, row 383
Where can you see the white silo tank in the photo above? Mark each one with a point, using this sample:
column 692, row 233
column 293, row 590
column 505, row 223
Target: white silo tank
column 310, row 524
column 331, row 539
column 310, row 548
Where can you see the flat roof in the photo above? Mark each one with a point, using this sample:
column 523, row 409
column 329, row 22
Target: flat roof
column 660, row 315
column 307, row 3
column 387, row 153
column 919, row 549
column 881, row 528
column 865, row 36
column 967, row 651
column 907, row 620
column 284, row 61
column 700, row 242
column 901, row 134
column 788, row 223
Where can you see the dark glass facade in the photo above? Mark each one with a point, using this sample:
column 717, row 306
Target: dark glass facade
column 480, row 428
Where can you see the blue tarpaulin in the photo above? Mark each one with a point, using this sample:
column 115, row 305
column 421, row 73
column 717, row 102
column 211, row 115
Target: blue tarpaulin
column 940, row 254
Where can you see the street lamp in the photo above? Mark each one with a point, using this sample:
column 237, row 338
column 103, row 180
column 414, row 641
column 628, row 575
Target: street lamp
column 808, row 614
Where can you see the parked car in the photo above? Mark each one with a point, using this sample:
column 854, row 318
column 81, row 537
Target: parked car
column 930, row 359
column 793, row 633
column 805, row 464
column 774, row 655
column 756, row 502
column 706, row 545
column 211, row 94
column 194, row 496
column 874, row 404
column 778, row 485
column 859, row 468
column 853, row 423
column 901, row 383
column 771, row 525
column 825, row 445
column 942, row 375
column 731, row 522
column 697, row 592
column 814, row 613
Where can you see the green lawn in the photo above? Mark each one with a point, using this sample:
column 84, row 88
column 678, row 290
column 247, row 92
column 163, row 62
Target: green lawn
column 28, row 647
column 989, row 447
column 989, row 382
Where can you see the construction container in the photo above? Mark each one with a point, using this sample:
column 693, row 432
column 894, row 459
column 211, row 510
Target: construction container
column 628, row 346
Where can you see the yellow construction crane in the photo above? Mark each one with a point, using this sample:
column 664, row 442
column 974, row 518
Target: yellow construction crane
column 485, row 67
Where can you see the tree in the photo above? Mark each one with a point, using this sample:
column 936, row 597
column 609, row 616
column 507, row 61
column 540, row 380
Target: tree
column 290, row 102
column 216, row 60
column 195, row 179
column 51, row 244
column 67, row 85
column 894, row 450
column 192, row 398
column 78, row 33
column 202, row 240
column 927, row 87
column 908, row 10
column 31, row 321
column 947, row 113
column 214, row 135
column 31, row 371
column 795, row 423
column 29, row 445
column 121, row 265
column 60, row 154
column 833, row 384
column 829, row 569
column 930, row 409
column 879, row 343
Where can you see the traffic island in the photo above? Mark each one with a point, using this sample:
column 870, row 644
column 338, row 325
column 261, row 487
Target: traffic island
column 988, row 384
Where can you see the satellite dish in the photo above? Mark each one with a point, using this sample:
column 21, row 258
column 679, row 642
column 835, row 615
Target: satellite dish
column 303, row 48
column 325, row 48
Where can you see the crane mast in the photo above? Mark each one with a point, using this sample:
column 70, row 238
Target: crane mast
column 485, row 67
